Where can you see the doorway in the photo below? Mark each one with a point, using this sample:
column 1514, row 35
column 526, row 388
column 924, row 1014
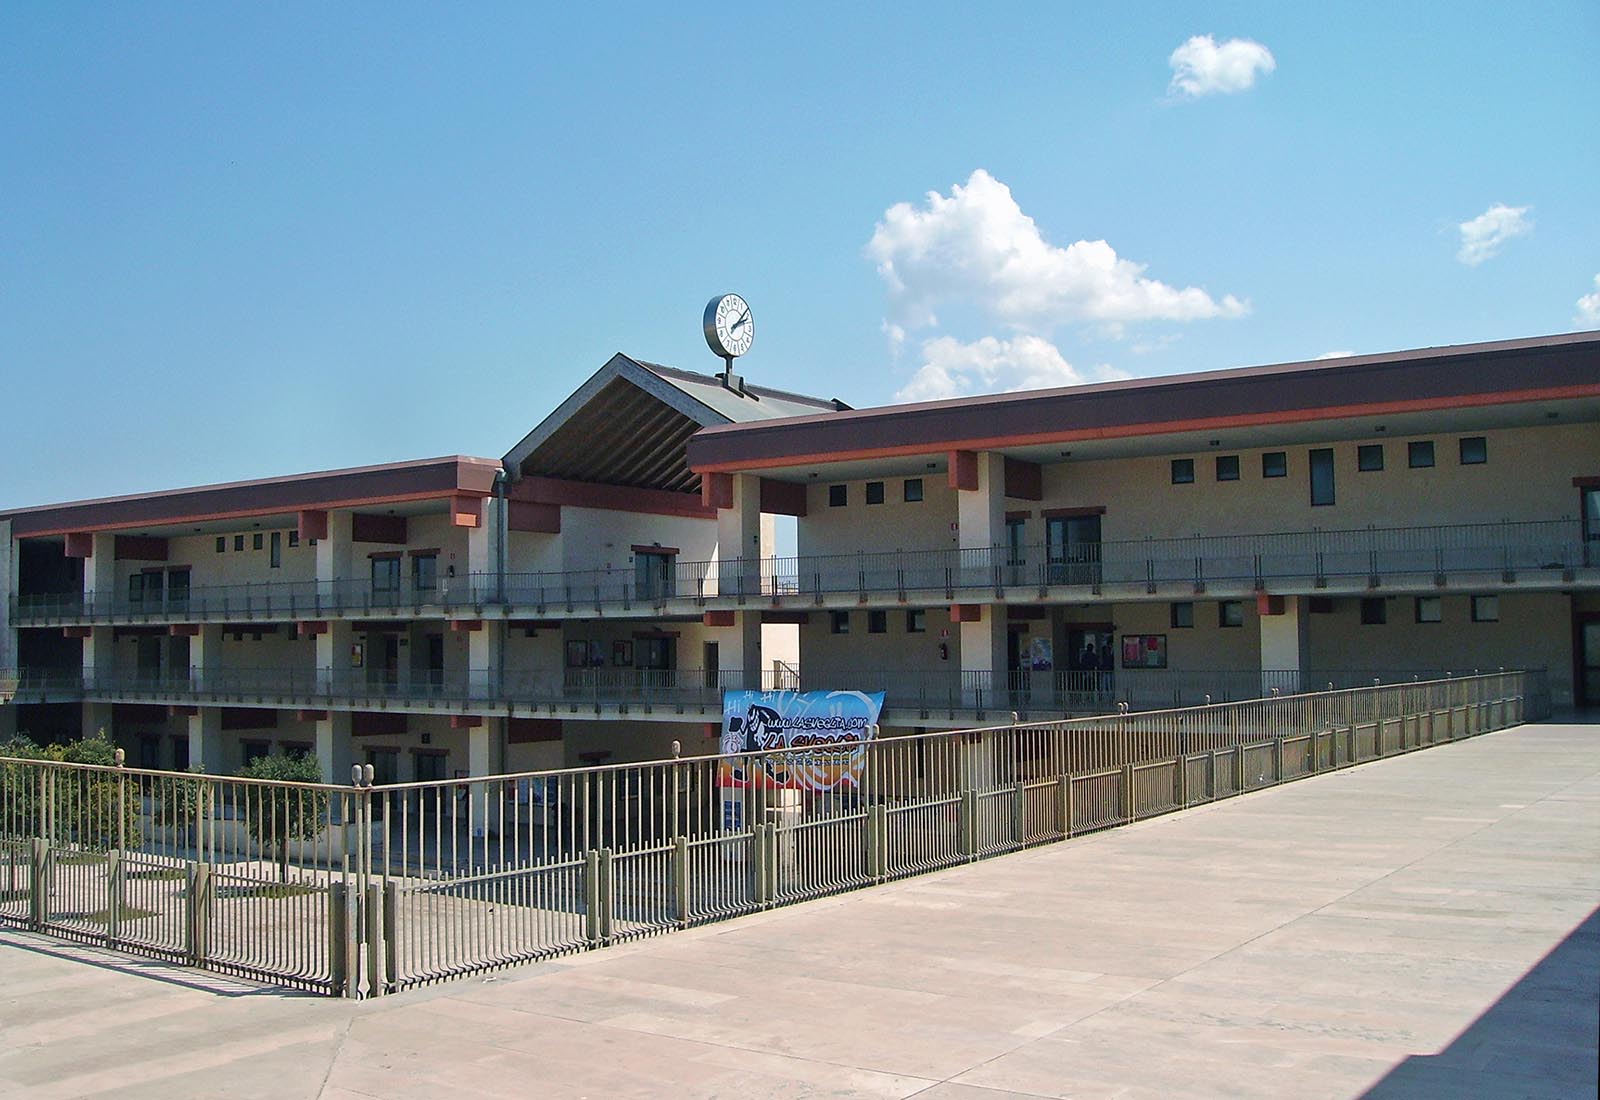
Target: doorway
column 1072, row 545
column 1090, row 663
column 1588, row 659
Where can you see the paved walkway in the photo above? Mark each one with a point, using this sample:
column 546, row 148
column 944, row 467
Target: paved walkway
column 1419, row 927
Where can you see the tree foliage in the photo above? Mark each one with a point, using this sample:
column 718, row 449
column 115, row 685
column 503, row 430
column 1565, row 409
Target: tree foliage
column 275, row 816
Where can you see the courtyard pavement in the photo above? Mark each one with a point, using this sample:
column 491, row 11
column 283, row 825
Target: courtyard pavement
column 1423, row 926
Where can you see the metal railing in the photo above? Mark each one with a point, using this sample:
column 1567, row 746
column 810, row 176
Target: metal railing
column 363, row 890
column 1368, row 558
column 910, row 694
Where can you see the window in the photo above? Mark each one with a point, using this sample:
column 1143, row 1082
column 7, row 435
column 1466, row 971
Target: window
column 917, row 622
column 256, row 542
column 135, row 587
column 1486, row 609
column 1474, row 450
column 1182, row 615
column 294, row 539
column 839, row 622
column 874, row 492
column 1419, row 453
column 1016, row 537
column 1320, row 605
column 255, row 750
column 1374, row 611
column 1183, row 471
column 1429, row 609
column 238, row 542
column 913, row 490
column 1321, row 477
column 386, row 574
column 838, row 496
column 1230, row 613
column 277, row 550
column 425, row 572
column 1275, row 464
column 222, row 544
column 1369, row 457
column 653, row 574
column 1227, row 467
column 877, row 622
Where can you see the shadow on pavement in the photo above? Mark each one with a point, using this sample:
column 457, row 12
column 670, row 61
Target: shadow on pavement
column 159, row 970
column 1540, row 1040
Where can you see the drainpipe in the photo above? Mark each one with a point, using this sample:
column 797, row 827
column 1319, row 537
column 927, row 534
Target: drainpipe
column 497, row 520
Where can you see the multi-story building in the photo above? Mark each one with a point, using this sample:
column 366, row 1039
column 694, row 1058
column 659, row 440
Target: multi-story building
column 590, row 595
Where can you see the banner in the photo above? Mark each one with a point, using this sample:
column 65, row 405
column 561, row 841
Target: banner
column 827, row 730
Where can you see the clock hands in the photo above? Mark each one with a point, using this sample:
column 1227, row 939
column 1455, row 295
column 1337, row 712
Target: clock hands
column 742, row 319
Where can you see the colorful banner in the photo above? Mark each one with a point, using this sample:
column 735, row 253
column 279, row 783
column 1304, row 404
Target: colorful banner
column 825, row 729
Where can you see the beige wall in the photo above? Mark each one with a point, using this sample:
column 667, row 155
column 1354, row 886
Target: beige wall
column 892, row 525
column 628, row 742
column 823, row 652
column 248, row 566
column 599, row 538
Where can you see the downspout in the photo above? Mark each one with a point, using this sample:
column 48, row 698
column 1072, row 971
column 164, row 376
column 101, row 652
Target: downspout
column 497, row 520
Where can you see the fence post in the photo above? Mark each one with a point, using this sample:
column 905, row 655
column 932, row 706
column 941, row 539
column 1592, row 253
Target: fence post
column 39, row 897
column 197, row 906
column 763, row 856
column 1277, row 759
column 114, row 876
column 377, row 951
column 1019, row 815
column 681, row 901
column 876, row 822
column 1064, row 805
column 1129, row 810
column 969, row 824
column 391, row 926
column 591, row 896
column 1238, row 768
column 1181, row 779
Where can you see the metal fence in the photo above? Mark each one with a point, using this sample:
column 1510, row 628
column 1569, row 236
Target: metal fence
column 360, row 890
column 1369, row 556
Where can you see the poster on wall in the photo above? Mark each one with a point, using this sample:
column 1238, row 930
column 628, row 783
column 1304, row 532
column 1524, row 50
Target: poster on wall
column 827, row 729
column 1144, row 651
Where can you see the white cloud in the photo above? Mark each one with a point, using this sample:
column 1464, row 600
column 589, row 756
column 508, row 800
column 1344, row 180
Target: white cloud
column 1336, row 355
column 1589, row 307
column 977, row 246
column 1201, row 67
column 954, row 369
column 1483, row 237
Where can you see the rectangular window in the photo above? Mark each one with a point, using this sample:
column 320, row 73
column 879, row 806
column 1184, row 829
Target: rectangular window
column 294, row 538
column 874, row 492
column 1429, row 609
column 1227, row 467
column 1369, row 457
column 178, row 586
column 1320, row 605
column 277, row 550
column 877, row 622
column 917, row 622
column 1275, row 464
column 254, row 750
column 385, row 575
column 136, row 588
column 425, row 572
column 222, row 544
column 1183, row 471
column 256, row 541
column 1321, row 477
column 1474, row 450
column 1182, row 615
column 838, row 496
column 839, row 622
column 654, row 574
column 238, row 542
column 1486, row 609
column 1374, row 611
column 913, row 490
column 1230, row 613
column 1016, row 537
column 1419, row 453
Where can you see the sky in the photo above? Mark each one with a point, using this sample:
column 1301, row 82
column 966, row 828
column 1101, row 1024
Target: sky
column 247, row 241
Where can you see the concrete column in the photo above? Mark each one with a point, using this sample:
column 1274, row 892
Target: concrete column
column 981, row 526
column 205, row 741
column 100, row 569
column 205, row 654
column 333, row 656
column 483, row 554
column 335, row 749
column 981, row 512
column 9, row 568
column 1284, row 623
column 738, row 638
column 484, row 646
column 335, row 552
column 486, row 754
column 739, row 542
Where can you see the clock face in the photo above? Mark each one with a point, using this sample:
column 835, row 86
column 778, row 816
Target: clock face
column 730, row 329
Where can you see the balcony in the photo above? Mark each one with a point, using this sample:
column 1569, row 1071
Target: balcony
column 912, row 697
column 1531, row 555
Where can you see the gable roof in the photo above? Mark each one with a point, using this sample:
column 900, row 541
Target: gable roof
column 630, row 423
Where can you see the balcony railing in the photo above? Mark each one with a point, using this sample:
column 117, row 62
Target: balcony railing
column 910, row 693
column 1485, row 553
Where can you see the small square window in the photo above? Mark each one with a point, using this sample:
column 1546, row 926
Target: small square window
column 913, row 489
column 238, row 542
column 1419, row 453
column 222, row 543
column 1429, row 609
column 1369, row 457
column 1183, row 471
column 294, row 538
column 1474, row 450
column 838, row 496
column 1275, row 464
column 1230, row 613
column 1182, row 615
column 917, row 621
column 874, row 492
column 256, row 541
column 1320, row 605
column 1227, row 467
column 1486, row 609
column 877, row 622
column 1374, row 611
column 839, row 622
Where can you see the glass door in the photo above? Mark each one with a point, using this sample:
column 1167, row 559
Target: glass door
column 1072, row 544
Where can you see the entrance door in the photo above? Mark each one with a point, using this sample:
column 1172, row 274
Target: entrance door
column 436, row 661
column 713, row 667
column 1590, row 504
column 430, row 768
column 1589, row 662
column 1089, row 675
column 1073, row 546
column 385, row 668
column 1018, row 673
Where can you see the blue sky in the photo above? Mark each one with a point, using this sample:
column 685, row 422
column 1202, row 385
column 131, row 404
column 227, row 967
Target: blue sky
column 245, row 241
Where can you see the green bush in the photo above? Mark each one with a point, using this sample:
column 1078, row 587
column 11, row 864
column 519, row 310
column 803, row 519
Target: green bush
column 88, row 807
column 275, row 816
